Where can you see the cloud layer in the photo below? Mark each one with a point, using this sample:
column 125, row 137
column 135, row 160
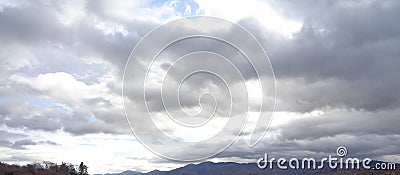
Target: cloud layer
column 336, row 66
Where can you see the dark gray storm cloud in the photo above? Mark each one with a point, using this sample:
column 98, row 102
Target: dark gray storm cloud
column 345, row 55
column 323, row 66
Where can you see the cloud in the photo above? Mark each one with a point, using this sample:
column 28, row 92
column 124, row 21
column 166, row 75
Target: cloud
column 332, row 122
column 7, row 137
column 87, row 108
column 21, row 144
column 333, row 54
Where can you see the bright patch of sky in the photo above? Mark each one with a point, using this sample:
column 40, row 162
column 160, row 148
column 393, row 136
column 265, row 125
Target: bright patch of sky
column 48, row 104
column 183, row 7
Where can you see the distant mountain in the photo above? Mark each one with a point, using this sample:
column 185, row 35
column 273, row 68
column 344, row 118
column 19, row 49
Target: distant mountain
column 128, row 172
column 156, row 172
column 231, row 168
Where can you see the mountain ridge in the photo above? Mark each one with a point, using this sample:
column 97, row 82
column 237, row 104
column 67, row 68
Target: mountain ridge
column 233, row 168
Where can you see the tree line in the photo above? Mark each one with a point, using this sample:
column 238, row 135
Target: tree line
column 44, row 168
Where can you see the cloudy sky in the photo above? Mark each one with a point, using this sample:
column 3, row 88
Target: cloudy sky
column 336, row 67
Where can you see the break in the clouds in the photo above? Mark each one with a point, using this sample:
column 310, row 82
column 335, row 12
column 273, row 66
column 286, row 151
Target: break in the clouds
column 336, row 66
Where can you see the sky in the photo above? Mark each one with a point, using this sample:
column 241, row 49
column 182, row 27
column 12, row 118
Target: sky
column 335, row 74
